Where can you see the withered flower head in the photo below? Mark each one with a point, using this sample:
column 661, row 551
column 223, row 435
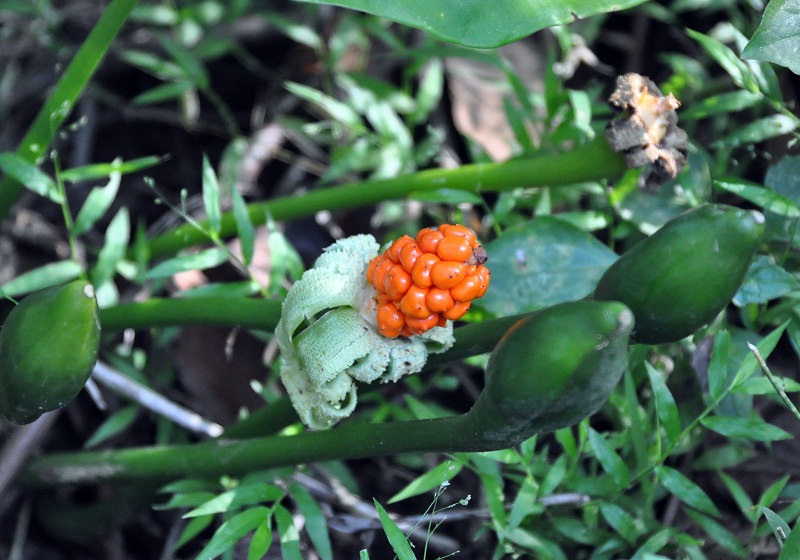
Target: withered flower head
column 647, row 129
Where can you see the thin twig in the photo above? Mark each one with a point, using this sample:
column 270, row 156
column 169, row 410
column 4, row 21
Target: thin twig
column 154, row 401
column 776, row 383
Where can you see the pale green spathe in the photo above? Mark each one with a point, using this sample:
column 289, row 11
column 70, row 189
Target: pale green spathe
column 328, row 338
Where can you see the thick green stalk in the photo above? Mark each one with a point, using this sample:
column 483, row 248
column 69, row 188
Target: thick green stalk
column 471, row 340
column 249, row 313
column 540, row 380
column 238, row 457
column 591, row 162
column 60, row 103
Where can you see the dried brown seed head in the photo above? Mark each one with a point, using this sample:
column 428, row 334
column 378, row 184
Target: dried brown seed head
column 647, row 131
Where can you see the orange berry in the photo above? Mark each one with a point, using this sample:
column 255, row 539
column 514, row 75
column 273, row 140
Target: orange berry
column 458, row 310
column 390, row 320
column 484, row 274
column 454, row 248
column 396, row 282
column 419, row 326
column 439, row 300
column 373, row 264
column 458, row 229
column 428, row 239
column 394, row 249
column 421, row 273
column 380, row 274
column 447, row 274
column 467, row 289
column 408, row 255
column 413, row 303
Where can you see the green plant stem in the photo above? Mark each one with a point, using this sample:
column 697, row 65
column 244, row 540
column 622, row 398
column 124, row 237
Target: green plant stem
column 59, row 105
column 238, row 457
column 471, row 340
column 249, row 313
column 593, row 161
column 227, row 456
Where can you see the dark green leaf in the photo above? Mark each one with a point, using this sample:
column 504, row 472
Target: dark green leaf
column 725, row 538
column 791, row 545
column 434, row 478
column 100, row 170
column 540, row 263
column 608, row 458
column 201, row 260
column 259, row 544
column 316, row 524
column 750, row 428
column 739, row 495
column 758, row 131
column 478, row 24
column 111, row 426
column 655, row 543
column 232, row 530
column 229, row 172
column 211, row 196
column 724, row 456
column 189, row 62
column 227, row 289
column 776, row 523
column 554, row 476
column 763, row 386
column 622, row 522
column 152, row 64
column 397, row 539
column 45, row 276
column 163, row 92
column 763, row 197
column 113, row 251
column 763, row 282
column 666, row 408
column 524, row 502
column 96, row 204
column 718, row 366
column 771, row 494
column 784, row 179
column 777, row 38
column 245, row 495
column 685, row 490
column 185, row 499
column 303, row 34
column 725, row 57
column 194, row 527
column 33, row 178
column 337, row 110
column 722, row 103
column 765, row 347
column 290, row 537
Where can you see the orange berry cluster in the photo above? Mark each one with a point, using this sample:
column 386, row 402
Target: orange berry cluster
column 423, row 282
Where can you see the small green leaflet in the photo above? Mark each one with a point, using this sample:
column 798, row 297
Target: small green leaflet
column 97, row 203
column 33, row 178
column 434, row 478
column 686, row 490
column 211, row 197
column 666, row 408
column 201, row 260
column 750, row 428
column 45, row 276
column 397, row 539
